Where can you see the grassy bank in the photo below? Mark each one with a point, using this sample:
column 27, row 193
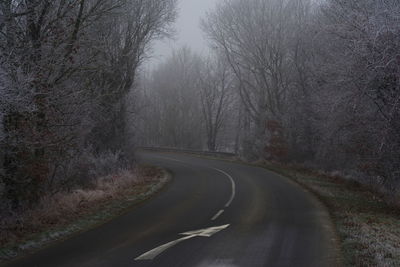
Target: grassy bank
column 64, row 214
column 368, row 228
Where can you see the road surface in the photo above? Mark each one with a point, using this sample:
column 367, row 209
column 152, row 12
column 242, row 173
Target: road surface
column 214, row 213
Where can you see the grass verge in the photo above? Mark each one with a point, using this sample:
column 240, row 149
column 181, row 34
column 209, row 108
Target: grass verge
column 65, row 214
column 368, row 228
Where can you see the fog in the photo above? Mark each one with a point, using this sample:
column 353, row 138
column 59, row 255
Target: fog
column 188, row 30
column 294, row 85
column 290, row 81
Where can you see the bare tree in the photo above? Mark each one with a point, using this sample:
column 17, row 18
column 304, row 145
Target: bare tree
column 365, row 36
column 125, row 47
column 40, row 56
column 215, row 86
column 256, row 37
column 62, row 64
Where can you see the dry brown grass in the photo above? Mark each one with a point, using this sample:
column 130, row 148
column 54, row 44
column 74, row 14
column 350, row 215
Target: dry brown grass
column 66, row 212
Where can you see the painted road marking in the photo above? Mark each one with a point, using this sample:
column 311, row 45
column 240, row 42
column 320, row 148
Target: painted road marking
column 233, row 187
column 207, row 232
column 217, row 215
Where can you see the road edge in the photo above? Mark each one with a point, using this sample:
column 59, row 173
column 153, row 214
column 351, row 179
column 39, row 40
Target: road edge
column 48, row 238
column 314, row 196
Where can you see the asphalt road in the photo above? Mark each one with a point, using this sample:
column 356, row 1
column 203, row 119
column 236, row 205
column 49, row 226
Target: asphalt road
column 214, row 213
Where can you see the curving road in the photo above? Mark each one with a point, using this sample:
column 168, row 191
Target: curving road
column 214, row 213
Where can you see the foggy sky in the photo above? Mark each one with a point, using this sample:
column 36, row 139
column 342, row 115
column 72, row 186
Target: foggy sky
column 188, row 30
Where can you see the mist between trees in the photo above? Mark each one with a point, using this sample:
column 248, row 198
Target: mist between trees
column 297, row 81
column 302, row 81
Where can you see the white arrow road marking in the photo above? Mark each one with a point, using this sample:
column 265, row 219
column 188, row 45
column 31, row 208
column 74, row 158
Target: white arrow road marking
column 233, row 187
column 208, row 232
column 157, row 251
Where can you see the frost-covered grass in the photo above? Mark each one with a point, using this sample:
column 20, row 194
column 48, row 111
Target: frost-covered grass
column 62, row 214
column 369, row 228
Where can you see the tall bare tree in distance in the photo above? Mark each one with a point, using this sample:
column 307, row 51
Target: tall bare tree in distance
column 216, row 84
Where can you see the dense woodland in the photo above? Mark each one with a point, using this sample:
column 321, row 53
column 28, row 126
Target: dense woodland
column 295, row 81
column 67, row 76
